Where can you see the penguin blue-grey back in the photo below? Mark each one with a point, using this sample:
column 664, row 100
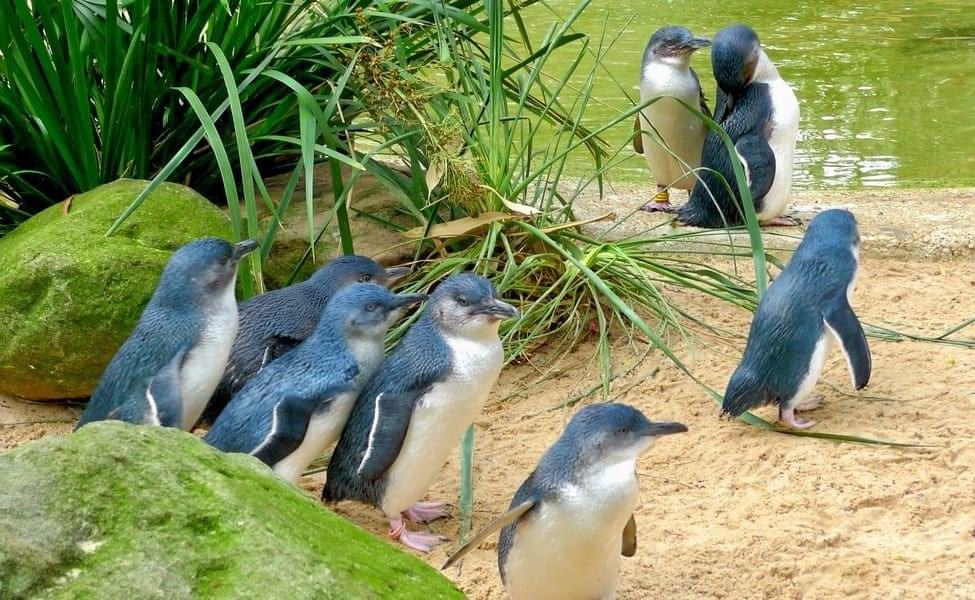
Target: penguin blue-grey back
column 277, row 321
column 572, row 518
column 760, row 113
column 294, row 408
column 668, row 135
column 807, row 309
column 183, row 336
column 424, row 396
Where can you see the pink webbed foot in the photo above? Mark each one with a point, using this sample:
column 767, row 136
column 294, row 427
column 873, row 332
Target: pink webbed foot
column 787, row 417
column 810, row 403
column 664, row 207
column 422, row 541
column 425, row 512
column 783, row 221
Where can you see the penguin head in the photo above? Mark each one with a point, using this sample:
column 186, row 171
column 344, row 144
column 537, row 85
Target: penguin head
column 606, row 434
column 468, row 304
column 343, row 270
column 673, row 44
column 203, row 268
column 366, row 310
column 836, row 225
column 735, row 57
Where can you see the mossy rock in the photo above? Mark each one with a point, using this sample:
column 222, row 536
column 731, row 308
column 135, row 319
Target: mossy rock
column 123, row 511
column 69, row 296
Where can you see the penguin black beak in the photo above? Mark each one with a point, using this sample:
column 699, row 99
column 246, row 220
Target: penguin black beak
column 394, row 274
column 245, row 247
column 405, row 300
column 498, row 309
column 664, row 428
column 697, row 43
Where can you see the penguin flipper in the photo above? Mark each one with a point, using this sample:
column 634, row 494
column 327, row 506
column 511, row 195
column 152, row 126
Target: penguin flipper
column 390, row 422
column 637, row 135
column 163, row 396
column 289, row 424
column 702, row 99
column 278, row 346
column 759, row 163
column 845, row 327
column 629, row 537
column 497, row 524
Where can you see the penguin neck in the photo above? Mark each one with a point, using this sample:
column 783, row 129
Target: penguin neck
column 484, row 334
column 765, row 71
column 653, row 68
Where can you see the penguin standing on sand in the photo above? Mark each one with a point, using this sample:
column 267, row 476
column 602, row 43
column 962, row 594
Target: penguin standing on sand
column 277, row 321
column 295, row 407
column 672, row 137
column 760, row 113
column 805, row 312
column 570, row 521
column 168, row 368
column 413, row 412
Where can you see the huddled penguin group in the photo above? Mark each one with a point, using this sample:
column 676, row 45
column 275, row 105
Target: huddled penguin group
column 754, row 106
column 292, row 371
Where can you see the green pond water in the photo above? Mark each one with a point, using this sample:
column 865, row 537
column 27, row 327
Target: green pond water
column 886, row 88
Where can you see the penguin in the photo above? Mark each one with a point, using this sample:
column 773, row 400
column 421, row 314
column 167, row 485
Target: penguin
column 167, row 369
column 760, row 113
column 804, row 314
column 668, row 135
column 293, row 409
column 572, row 519
column 424, row 396
column 277, row 321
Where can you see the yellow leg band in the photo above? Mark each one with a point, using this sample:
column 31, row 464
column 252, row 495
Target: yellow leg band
column 662, row 196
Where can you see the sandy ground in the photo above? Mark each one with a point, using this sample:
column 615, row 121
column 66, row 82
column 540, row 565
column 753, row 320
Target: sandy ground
column 733, row 512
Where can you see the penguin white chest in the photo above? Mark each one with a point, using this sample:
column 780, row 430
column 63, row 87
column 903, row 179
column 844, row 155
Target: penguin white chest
column 440, row 418
column 204, row 365
column 783, row 131
column 673, row 137
column 571, row 548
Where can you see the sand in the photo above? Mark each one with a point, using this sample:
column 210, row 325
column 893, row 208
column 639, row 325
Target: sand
column 728, row 511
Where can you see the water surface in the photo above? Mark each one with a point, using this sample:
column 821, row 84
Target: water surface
column 886, row 88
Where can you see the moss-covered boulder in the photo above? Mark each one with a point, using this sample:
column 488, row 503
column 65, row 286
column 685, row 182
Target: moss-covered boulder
column 69, row 296
column 124, row 511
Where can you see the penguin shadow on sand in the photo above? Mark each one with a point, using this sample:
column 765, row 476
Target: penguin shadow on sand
column 754, row 106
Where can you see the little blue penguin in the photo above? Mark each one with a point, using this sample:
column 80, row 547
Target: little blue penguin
column 277, row 321
column 168, row 368
column 806, row 310
column 572, row 519
column 295, row 407
column 760, row 113
column 672, row 136
column 424, row 396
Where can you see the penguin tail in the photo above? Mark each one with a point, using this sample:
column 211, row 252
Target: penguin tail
column 744, row 392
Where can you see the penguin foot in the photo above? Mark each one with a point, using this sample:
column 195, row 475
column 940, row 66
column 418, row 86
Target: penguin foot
column 655, row 206
column 422, row 541
column 425, row 512
column 783, row 221
column 787, row 417
column 810, row 403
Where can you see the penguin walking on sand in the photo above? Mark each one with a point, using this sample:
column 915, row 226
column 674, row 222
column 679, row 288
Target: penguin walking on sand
column 669, row 136
column 572, row 519
column 760, row 113
column 805, row 312
column 414, row 411
column 168, row 368
column 277, row 321
column 293, row 409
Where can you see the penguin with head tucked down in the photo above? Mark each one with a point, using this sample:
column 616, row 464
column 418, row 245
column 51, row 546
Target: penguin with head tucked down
column 275, row 322
column 804, row 314
column 572, row 519
column 669, row 136
column 168, row 368
column 760, row 113
column 414, row 411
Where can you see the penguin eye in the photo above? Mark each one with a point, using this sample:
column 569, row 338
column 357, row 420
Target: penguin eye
column 365, row 278
column 622, row 431
column 463, row 301
column 371, row 307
